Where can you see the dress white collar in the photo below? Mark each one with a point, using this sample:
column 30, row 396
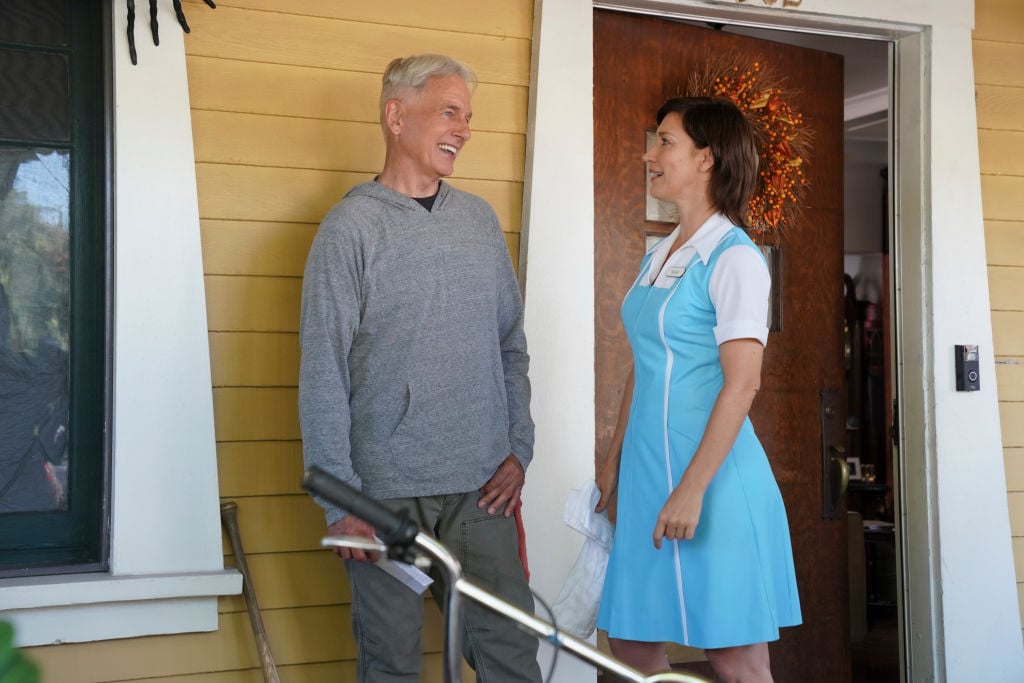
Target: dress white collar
column 703, row 242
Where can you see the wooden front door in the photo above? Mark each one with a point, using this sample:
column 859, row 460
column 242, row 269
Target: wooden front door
column 639, row 61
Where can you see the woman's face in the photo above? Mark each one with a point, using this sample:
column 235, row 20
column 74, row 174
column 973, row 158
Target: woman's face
column 679, row 171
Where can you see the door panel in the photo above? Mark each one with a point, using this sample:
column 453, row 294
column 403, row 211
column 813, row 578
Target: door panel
column 639, row 61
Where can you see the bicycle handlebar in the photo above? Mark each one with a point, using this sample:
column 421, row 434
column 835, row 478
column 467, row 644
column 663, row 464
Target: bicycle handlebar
column 400, row 533
column 395, row 529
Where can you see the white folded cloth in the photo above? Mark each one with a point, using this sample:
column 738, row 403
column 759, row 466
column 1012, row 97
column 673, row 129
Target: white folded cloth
column 575, row 608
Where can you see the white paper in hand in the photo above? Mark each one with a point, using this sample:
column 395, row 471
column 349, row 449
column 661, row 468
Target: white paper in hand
column 412, row 577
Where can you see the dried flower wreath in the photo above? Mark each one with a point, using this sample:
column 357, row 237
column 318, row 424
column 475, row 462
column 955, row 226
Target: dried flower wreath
column 784, row 139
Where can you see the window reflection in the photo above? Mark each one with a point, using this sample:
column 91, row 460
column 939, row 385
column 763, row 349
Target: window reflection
column 34, row 328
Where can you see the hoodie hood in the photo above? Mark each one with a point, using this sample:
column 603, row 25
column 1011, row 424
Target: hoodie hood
column 375, row 190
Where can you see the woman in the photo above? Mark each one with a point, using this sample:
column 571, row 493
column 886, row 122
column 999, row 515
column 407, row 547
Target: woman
column 702, row 554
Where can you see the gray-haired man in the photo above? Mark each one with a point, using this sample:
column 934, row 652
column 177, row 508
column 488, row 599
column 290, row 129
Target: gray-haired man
column 413, row 385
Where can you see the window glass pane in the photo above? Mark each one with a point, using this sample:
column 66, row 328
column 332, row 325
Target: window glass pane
column 33, row 95
column 34, row 325
column 37, row 22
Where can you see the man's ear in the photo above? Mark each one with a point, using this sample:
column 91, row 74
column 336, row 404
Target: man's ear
column 393, row 115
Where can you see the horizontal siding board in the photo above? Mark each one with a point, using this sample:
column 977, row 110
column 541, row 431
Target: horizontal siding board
column 999, row 106
column 997, row 63
column 256, row 414
column 234, row 33
column 1006, row 288
column 259, row 468
column 315, row 672
column 998, row 20
column 1002, row 197
column 289, row 195
column 225, row 649
column 254, row 359
column 253, row 304
column 283, row 195
column 1015, row 500
column 255, row 247
column 1018, row 557
column 295, row 635
column 1010, row 378
column 1008, row 333
column 259, row 140
column 1011, row 417
column 512, row 242
column 1004, row 242
column 279, row 524
column 305, row 634
column 1014, row 458
column 301, row 579
column 307, row 92
column 1001, row 151
column 506, row 18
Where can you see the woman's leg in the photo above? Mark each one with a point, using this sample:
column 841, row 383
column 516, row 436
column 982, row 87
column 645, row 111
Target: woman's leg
column 647, row 658
column 742, row 664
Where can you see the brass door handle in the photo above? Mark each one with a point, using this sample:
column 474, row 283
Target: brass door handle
column 839, row 462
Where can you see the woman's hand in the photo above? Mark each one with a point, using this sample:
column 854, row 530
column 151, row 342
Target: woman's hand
column 678, row 519
column 741, row 372
column 607, row 481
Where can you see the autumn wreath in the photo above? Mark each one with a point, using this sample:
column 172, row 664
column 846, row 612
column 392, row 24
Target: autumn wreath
column 784, row 139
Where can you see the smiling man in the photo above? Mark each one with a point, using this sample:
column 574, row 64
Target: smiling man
column 413, row 384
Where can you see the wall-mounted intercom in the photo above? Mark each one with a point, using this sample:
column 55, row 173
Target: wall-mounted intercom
column 967, row 367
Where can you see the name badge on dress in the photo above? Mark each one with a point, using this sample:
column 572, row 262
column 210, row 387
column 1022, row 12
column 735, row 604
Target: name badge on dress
column 675, row 271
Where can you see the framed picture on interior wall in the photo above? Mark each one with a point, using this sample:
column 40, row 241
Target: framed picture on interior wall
column 658, row 212
column 853, row 465
column 652, row 238
column 773, row 257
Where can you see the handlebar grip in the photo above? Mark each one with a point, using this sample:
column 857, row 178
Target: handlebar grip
column 395, row 529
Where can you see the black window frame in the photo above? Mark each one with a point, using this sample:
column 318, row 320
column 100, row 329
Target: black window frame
column 77, row 539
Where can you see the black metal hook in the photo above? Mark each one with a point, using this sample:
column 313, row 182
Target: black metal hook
column 154, row 25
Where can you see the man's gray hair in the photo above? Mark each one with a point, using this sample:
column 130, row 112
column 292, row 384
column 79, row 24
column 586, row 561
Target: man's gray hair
column 413, row 72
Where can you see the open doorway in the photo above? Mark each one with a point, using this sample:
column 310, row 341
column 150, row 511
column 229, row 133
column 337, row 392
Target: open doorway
column 875, row 620
column 852, row 626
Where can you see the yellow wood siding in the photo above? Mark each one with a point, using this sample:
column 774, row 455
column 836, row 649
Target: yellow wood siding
column 998, row 54
column 284, row 116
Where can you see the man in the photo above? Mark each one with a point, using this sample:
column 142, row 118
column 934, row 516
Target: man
column 413, row 385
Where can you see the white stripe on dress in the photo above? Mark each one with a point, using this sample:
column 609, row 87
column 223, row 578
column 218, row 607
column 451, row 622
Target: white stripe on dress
column 668, row 460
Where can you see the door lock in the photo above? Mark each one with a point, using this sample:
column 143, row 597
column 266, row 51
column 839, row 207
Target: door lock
column 835, row 474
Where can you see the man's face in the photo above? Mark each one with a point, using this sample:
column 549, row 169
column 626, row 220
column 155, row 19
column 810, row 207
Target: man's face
column 433, row 125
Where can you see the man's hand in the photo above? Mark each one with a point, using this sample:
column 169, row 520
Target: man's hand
column 504, row 487
column 353, row 526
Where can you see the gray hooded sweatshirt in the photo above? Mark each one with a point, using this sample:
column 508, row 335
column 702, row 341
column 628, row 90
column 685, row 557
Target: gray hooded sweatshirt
column 413, row 379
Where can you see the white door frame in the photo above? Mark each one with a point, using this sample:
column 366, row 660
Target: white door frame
column 956, row 537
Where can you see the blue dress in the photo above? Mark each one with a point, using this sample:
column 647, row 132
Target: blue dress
column 734, row 583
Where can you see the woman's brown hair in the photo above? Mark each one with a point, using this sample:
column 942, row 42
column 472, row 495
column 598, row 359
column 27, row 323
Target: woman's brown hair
column 717, row 123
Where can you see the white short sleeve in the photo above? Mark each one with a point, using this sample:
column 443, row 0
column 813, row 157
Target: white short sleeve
column 740, row 288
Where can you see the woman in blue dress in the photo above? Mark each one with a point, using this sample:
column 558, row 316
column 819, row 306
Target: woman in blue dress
column 702, row 553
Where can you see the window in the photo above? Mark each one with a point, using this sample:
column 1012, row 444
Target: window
column 166, row 564
column 53, row 258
